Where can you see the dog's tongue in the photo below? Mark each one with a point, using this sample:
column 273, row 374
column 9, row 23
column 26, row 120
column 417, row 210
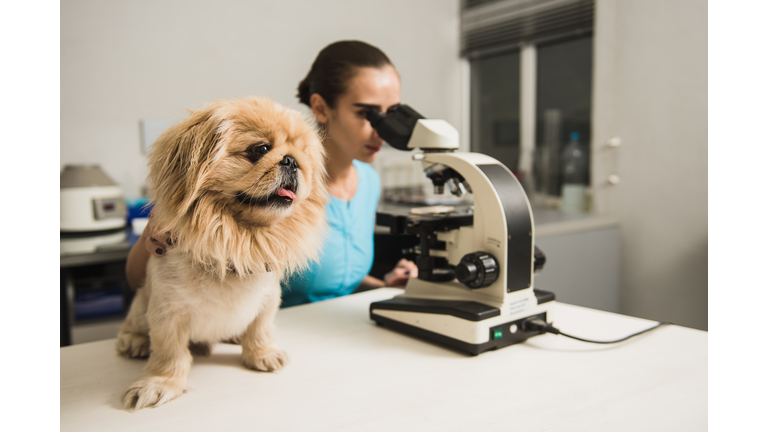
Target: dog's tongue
column 286, row 193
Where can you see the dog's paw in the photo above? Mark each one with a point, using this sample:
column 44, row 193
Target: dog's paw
column 133, row 345
column 268, row 360
column 151, row 392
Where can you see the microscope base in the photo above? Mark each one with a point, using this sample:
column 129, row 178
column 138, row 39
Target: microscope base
column 449, row 324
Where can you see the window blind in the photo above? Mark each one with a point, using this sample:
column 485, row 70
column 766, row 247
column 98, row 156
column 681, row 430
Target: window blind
column 491, row 27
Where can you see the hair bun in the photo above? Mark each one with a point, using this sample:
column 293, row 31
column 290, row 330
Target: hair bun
column 303, row 93
column 335, row 65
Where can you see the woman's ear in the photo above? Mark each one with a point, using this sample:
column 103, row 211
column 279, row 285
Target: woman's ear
column 319, row 108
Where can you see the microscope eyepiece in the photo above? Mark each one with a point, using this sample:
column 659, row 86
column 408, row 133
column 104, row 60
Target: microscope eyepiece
column 395, row 127
column 375, row 117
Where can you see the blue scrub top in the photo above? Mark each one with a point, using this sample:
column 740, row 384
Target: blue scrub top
column 347, row 254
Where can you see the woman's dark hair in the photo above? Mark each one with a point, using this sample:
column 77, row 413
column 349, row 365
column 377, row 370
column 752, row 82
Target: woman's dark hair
column 335, row 66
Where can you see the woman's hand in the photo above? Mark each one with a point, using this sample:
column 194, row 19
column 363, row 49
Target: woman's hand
column 399, row 275
column 145, row 246
column 157, row 247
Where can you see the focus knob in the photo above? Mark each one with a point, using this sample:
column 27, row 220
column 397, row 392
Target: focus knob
column 477, row 270
column 539, row 259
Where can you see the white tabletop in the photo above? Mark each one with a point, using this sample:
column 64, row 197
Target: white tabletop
column 345, row 373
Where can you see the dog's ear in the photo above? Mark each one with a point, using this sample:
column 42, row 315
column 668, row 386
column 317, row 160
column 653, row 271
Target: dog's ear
column 181, row 159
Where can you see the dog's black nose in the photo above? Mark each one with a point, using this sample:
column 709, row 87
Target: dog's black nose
column 289, row 162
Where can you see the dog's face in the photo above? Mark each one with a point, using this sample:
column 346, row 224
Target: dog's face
column 267, row 165
column 238, row 168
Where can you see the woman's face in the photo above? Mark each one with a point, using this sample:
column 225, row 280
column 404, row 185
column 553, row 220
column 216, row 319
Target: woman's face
column 348, row 129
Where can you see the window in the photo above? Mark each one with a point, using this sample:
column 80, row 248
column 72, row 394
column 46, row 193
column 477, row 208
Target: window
column 563, row 105
column 531, row 85
column 495, row 107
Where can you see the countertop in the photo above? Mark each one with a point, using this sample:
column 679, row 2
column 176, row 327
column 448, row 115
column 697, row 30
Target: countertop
column 345, row 373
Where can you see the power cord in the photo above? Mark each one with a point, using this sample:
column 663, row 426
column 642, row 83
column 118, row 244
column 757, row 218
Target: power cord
column 538, row 324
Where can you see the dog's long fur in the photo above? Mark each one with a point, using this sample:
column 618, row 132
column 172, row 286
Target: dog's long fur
column 235, row 238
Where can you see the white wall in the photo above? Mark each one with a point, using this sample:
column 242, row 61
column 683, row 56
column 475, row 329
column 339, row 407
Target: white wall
column 126, row 60
column 122, row 61
column 650, row 89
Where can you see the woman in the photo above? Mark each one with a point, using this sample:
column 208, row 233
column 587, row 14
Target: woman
column 347, row 79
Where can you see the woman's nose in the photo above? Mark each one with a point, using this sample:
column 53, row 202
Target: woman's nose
column 376, row 138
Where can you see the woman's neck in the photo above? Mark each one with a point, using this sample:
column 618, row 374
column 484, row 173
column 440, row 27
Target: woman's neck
column 342, row 176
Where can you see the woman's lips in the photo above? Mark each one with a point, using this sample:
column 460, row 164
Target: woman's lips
column 373, row 149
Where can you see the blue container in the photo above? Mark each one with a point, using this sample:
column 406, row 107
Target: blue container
column 138, row 208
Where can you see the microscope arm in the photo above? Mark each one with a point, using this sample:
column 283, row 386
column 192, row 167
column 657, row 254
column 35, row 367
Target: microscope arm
column 503, row 224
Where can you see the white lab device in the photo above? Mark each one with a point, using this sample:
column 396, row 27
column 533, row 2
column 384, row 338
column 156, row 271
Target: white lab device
column 93, row 211
column 474, row 291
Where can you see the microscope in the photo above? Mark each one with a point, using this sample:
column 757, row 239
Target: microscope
column 474, row 290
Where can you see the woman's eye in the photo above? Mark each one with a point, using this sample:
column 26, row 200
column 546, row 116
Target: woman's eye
column 256, row 151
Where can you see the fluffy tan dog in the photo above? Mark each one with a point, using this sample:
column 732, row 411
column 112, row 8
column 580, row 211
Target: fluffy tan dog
column 241, row 184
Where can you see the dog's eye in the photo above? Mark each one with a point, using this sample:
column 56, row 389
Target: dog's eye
column 256, row 151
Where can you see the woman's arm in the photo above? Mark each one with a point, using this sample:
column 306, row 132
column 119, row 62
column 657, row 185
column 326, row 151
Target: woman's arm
column 370, row 282
column 397, row 278
column 136, row 264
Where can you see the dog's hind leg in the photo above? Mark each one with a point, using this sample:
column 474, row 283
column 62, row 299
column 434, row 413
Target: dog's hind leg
column 259, row 349
column 133, row 336
column 166, row 373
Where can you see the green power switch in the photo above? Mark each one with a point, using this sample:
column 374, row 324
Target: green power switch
column 497, row 334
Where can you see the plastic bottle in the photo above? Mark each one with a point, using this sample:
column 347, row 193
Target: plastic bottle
column 574, row 173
